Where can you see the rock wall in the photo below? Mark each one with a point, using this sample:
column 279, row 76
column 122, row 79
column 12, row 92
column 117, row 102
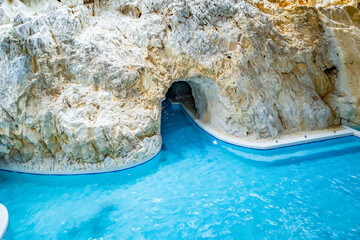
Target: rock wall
column 81, row 86
column 343, row 26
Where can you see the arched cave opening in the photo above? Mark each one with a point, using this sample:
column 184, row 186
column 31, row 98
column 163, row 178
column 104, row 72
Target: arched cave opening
column 182, row 92
column 201, row 97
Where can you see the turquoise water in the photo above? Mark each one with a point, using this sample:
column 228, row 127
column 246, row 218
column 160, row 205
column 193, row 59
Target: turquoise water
column 197, row 188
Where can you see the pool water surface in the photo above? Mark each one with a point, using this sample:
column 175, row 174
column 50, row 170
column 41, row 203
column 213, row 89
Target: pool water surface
column 197, row 187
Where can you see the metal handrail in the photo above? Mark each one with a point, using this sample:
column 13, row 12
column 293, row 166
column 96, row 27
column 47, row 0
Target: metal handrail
column 348, row 121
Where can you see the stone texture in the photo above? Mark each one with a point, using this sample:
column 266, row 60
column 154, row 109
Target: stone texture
column 81, row 86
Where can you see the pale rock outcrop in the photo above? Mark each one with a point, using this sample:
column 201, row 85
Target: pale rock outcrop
column 343, row 26
column 81, row 86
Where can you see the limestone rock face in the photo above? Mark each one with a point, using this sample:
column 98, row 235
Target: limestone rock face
column 343, row 26
column 81, row 86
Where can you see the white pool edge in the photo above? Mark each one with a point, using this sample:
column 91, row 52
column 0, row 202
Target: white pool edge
column 356, row 133
column 4, row 221
column 83, row 172
column 276, row 143
column 291, row 141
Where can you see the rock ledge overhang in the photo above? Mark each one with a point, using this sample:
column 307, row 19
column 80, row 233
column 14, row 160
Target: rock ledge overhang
column 81, row 87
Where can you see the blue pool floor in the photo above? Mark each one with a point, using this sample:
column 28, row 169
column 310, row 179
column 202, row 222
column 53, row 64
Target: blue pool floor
column 197, row 187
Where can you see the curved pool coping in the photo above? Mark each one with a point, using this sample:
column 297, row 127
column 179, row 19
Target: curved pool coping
column 276, row 143
column 4, row 220
column 83, row 172
column 273, row 144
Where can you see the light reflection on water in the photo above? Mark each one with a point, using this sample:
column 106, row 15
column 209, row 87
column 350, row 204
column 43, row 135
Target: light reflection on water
column 197, row 189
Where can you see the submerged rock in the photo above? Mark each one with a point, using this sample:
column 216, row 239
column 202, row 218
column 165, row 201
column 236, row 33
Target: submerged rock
column 81, row 86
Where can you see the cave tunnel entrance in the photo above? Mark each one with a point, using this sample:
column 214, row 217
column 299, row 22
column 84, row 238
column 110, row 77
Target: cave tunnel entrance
column 182, row 92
